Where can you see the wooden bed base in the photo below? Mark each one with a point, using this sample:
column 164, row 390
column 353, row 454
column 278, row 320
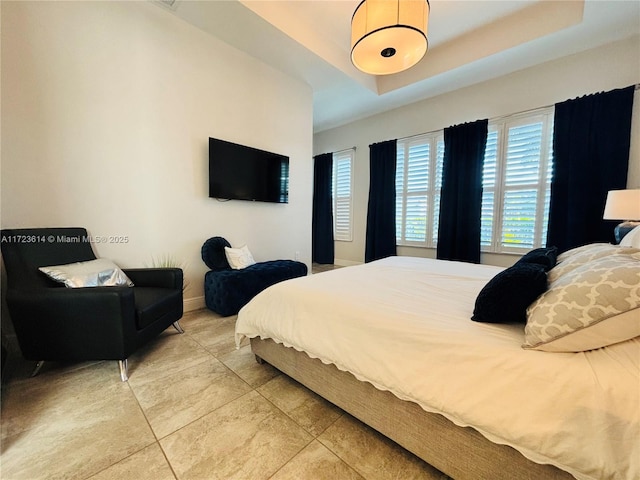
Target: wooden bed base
column 460, row 452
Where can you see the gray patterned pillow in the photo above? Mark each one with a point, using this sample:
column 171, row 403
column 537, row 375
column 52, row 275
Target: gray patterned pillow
column 577, row 257
column 594, row 305
column 575, row 251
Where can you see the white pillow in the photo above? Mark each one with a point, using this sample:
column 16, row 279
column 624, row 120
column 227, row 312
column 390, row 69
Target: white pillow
column 239, row 258
column 94, row 273
column 631, row 239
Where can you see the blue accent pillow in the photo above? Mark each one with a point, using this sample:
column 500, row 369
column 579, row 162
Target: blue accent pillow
column 505, row 298
column 546, row 256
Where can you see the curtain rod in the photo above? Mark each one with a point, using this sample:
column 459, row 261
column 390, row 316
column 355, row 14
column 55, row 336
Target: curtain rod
column 503, row 117
column 494, row 119
column 339, row 151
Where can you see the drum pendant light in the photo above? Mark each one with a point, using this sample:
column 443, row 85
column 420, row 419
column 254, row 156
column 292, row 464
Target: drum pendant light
column 389, row 36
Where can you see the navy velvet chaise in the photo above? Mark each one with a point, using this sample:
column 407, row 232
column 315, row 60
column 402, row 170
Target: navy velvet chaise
column 227, row 290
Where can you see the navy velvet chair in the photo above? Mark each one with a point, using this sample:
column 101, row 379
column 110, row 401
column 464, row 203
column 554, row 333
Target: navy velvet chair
column 226, row 290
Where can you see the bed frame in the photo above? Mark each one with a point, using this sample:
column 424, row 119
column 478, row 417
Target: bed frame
column 460, row 452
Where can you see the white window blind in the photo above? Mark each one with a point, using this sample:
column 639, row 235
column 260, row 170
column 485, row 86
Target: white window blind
column 418, row 184
column 516, row 183
column 341, row 193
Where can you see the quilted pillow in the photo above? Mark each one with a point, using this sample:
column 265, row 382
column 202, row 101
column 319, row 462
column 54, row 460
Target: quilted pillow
column 94, row 273
column 505, row 298
column 239, row 258
column 583, row 256
column 595, row 305
column 546, row 256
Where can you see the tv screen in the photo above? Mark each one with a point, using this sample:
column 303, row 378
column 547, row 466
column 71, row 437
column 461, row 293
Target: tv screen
column 238, row 172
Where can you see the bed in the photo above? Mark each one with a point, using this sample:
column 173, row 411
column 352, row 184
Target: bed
column 391, row 342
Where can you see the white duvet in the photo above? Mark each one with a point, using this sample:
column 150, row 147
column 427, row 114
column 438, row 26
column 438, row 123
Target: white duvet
column 403, row 324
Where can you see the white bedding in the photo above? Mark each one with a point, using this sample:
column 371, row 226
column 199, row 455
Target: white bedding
column 403, row 324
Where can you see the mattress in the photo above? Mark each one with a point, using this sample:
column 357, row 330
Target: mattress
column 403, row 325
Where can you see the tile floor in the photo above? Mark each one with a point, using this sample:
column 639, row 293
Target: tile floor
column 194, row 407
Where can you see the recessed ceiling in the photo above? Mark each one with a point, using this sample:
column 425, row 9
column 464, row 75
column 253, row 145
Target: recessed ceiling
column 469, row 42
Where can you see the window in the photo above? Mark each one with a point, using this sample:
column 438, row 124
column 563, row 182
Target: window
column 418, row 183
column 341, row 189
column 516, row 183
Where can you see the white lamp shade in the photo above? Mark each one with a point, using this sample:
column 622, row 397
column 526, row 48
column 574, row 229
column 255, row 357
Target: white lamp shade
column 388, row 36
column 622, row 205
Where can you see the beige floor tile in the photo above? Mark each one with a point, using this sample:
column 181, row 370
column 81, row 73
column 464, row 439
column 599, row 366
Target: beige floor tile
column 147, row 464
column 72, row 430
column 307, row 409
column 75, row 420
column 372, row 455
column 50, row 396
column 215, row 333
column 199, row 319
column 243, row 363
column 176, row 400
column 318, row 463
column 165, row 355
column 246, row 439
column 17, row 369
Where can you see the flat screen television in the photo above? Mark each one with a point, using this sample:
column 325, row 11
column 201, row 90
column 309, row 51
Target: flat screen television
column 238, row 172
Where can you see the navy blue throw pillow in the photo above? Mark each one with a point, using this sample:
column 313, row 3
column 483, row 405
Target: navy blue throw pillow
column 546, row 256
column 213, row 253
column 505, row 298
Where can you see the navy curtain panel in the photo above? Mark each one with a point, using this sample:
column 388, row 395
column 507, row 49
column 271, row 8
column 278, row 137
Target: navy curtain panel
column 322, row 246
column 591, row 141
column 381, row 212
column 461, row 195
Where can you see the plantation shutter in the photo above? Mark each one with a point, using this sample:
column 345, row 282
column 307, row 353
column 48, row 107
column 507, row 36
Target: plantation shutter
column 419, row 164
column 489, row 173
column 522, row 176
column 516, row 185
column 417, row 179
column 547, row 192
column 400, row 180
column 437, row 189
column 342, row 204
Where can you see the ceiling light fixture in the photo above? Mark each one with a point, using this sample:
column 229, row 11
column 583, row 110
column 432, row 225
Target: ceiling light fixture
column 389, row 36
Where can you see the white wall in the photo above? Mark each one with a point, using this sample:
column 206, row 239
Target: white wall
column 107, row 108
column 605, row 68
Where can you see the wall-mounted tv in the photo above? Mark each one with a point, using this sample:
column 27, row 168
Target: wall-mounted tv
column 238, row 172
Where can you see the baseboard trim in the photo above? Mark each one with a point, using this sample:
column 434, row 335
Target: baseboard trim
column 194, row 303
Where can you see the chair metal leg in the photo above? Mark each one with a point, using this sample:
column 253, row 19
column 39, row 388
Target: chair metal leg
column 123, row 370
column 177, row 326
column 37, row 368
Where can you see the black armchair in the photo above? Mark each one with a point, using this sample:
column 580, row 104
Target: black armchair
column 53, row 322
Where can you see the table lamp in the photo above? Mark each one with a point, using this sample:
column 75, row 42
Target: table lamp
column 623, row 205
